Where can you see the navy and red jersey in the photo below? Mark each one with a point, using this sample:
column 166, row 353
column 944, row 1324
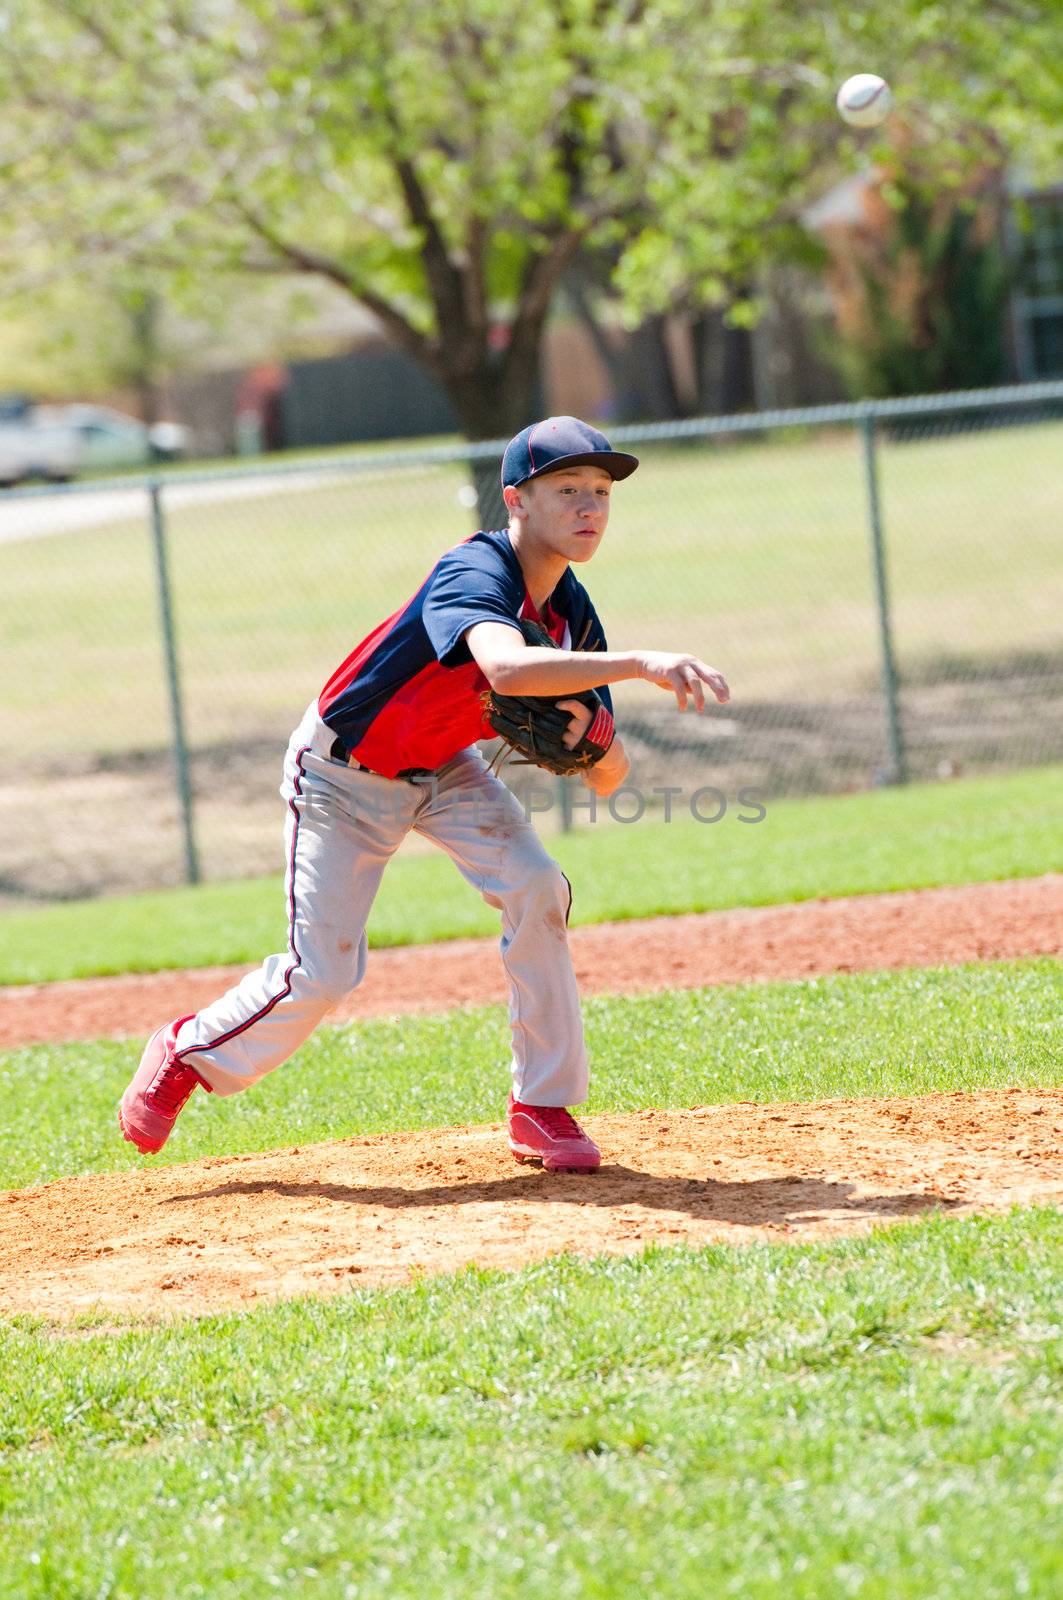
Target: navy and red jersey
column 409, row 695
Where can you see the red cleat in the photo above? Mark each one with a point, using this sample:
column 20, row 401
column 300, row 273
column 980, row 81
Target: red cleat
column 552, row 1135
column 161, row 1085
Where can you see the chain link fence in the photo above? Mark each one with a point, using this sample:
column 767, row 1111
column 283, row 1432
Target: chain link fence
column 881, row 583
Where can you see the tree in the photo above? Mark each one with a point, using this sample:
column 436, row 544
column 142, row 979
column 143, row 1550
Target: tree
column 446, row 161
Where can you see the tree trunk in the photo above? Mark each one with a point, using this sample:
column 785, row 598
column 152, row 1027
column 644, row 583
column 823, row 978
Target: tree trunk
column 665, row 404
column 142, row 307
column 491, row 509
column 736, row 376
column 723, row 361
column 479, row 403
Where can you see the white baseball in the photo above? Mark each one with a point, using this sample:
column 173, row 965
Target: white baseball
column 864, row 100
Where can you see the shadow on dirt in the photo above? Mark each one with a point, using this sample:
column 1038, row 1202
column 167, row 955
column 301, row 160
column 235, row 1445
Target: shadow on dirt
column 760, row 1201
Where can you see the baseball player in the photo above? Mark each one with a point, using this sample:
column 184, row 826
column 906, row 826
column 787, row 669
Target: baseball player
column 389, row 746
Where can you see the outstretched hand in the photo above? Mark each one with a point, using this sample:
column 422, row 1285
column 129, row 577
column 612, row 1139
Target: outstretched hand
column 685, row 675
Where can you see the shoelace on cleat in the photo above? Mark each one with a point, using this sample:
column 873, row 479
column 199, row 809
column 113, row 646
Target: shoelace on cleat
column 172, row 1088
column 559, row 1123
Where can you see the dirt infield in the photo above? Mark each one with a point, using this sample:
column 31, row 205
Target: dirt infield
column 377, row 1211
column 977, row 922
column 232, row 1231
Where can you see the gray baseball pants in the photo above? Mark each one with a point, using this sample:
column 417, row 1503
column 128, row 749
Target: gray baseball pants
column 343, row 827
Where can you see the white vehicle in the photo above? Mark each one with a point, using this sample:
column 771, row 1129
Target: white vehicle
column 31, row 447
column 110, row 439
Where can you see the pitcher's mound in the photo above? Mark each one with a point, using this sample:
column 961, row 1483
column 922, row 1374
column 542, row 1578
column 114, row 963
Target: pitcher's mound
column 227, row 1231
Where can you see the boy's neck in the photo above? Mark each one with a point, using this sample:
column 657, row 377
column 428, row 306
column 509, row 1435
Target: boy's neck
column 542, row 569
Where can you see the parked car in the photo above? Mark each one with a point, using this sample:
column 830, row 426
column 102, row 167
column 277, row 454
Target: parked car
column 36, row 447
column 110, row 439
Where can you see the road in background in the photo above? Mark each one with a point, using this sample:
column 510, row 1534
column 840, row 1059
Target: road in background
column 67, row 511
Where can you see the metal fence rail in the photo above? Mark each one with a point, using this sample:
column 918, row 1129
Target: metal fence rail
column 882, row 583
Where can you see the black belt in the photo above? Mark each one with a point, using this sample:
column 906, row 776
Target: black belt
column 339, row 752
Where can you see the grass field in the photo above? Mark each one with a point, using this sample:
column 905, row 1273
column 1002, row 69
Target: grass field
column 882, row 1033
column 879, row 1418
column 754, row 554
column 968, row 831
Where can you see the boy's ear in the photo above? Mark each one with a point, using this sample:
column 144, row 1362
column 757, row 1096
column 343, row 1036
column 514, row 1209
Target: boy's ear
column 515, row 497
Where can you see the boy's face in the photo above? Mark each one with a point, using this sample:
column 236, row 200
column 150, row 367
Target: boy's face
column 564, row 512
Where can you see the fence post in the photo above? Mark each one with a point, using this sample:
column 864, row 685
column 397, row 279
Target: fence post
column 173, row 681
column 564, row 801
column 897, row 764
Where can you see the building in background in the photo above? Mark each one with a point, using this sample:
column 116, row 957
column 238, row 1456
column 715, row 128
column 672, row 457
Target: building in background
column 1037, row 296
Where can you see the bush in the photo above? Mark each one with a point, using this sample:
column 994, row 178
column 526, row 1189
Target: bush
column 931, row 292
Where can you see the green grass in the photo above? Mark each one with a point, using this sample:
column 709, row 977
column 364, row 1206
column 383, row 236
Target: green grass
column 967, row 831
column 753, row 555
column 878, row 1419
column 888, row 1033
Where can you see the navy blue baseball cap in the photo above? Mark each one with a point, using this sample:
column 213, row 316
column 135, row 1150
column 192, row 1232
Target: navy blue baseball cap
column 558, row 442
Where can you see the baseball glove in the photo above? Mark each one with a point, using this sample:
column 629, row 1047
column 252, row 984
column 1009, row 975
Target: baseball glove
column 534, row 725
